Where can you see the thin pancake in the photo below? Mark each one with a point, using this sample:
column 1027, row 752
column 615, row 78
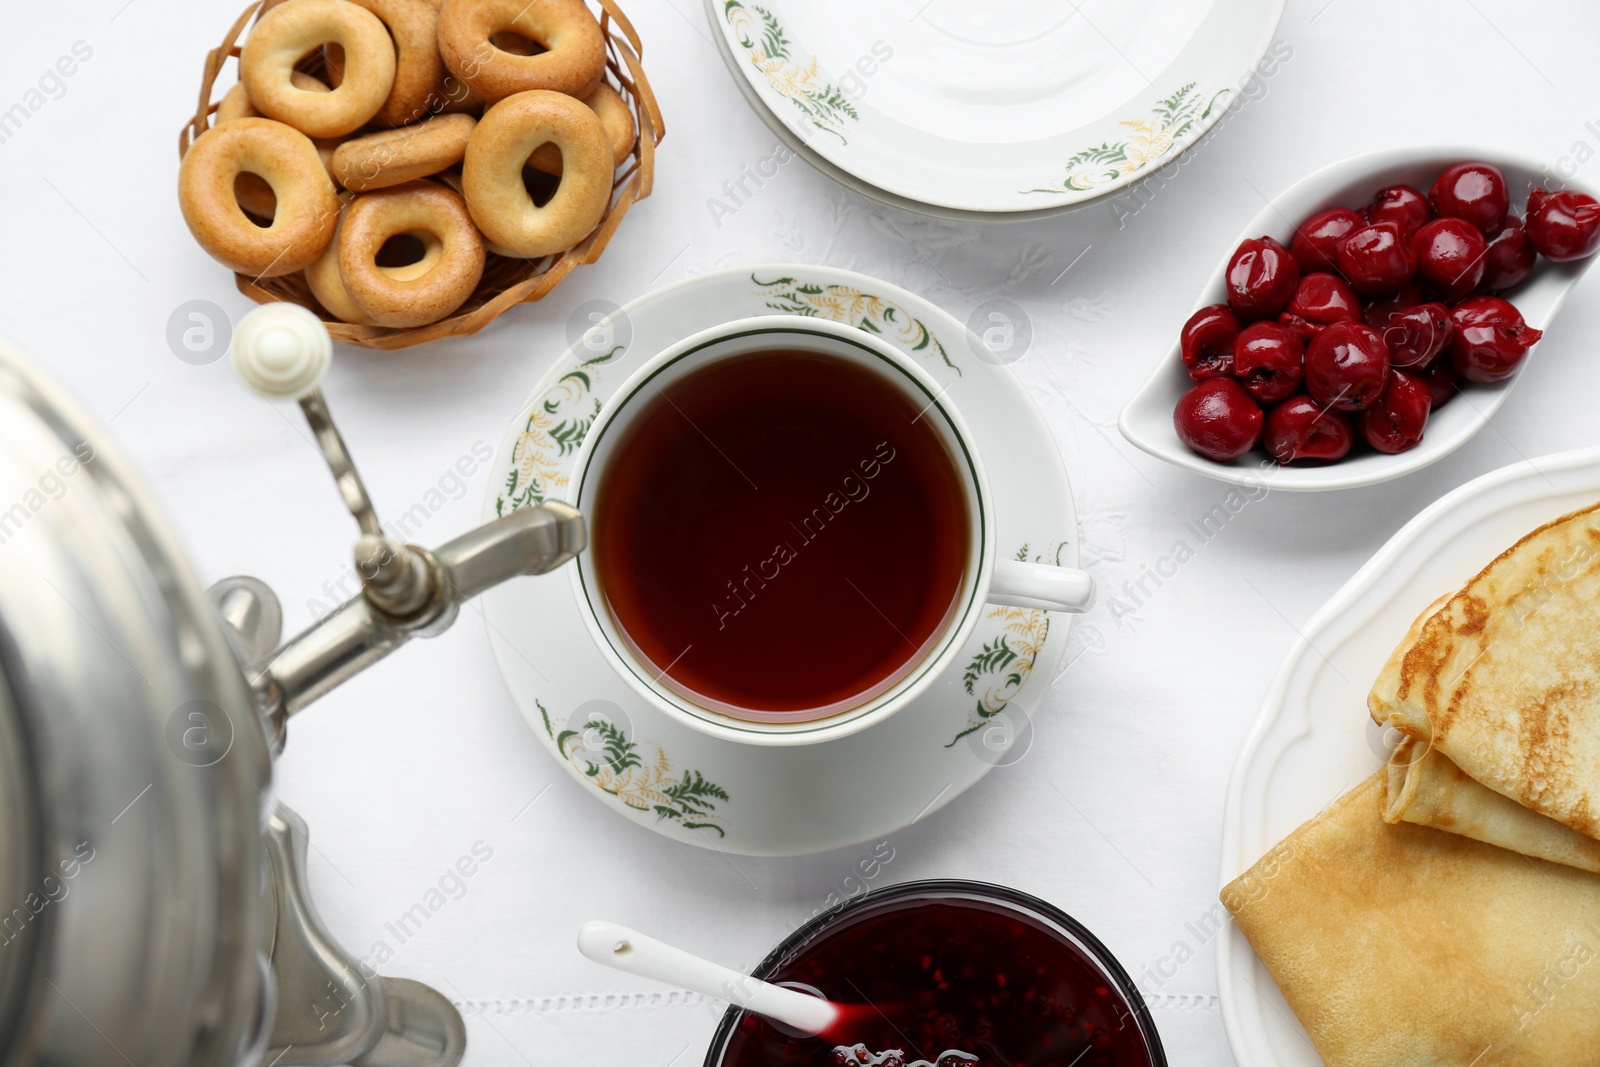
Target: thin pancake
column 1399, row 946
column 1504, row 679
column 1426, row 789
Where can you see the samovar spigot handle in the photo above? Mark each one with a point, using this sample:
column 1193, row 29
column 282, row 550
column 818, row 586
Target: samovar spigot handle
column 283, row 351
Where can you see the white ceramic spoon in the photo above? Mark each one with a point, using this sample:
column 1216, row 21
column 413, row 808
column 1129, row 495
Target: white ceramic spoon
column 628, row 950
column 1147, row 420
column 618, row 947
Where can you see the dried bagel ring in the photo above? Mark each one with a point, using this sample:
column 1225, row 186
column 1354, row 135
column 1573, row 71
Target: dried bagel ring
column 326, row 284
column 614, row 115
column 418, row 72
column 235, row 105
column 291, row 30
column 573, row 60
column 254, row 194
column 251, row 190
column 392, row 157
column 306, row 207
column 491, row 173
column 418, row 293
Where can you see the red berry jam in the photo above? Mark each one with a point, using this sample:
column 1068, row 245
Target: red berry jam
column 969, row 973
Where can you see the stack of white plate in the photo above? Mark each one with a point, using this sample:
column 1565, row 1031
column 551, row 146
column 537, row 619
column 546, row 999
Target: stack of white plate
column 993, row 109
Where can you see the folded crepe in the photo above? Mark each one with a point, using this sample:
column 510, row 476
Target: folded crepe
column 1426, row 789
column 1502, row 679
column 1400, row 946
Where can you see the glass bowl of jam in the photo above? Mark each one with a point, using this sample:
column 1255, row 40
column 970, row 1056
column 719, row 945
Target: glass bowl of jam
column 949, row 974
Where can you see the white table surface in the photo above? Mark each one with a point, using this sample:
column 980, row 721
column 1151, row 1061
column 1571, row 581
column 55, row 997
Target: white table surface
column 1115, row 813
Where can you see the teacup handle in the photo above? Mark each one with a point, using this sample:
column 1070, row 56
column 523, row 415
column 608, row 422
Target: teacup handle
column 1040, row 585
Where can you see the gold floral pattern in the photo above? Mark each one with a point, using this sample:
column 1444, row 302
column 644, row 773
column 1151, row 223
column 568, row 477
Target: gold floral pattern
column 1149, row 141
column 640, row 774
column 1002, row 666
column 761, row 35
column 849, row 305
column 541, row 455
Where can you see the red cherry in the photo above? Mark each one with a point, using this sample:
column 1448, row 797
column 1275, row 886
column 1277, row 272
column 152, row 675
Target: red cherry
column 1206, row 342
column 1491, row 340
column 1261, row 277
column 1377, row 259
column 1347, row 366
column 1319, row 300
column 1509, row 258
column 1267, row 359
column 1218, row 419
column 1298, row 429
column 1317, row 240
column 1414, row 335
column 1442, row 383
column 1475, row 192
column 1376, row 312
column 1401, row 205
column 1563, row 226
column 1450, row 256
column 1325, row 299
column 1395, row 423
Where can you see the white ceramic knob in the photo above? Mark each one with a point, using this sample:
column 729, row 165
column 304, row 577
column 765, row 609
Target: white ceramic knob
column 281, row 351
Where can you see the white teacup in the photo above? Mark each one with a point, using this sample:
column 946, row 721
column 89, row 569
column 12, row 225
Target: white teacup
column 985, row 579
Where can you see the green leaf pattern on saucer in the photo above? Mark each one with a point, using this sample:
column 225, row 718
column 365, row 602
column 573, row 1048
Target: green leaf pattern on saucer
column 802, row 84
column 1004, row 663
column 640, row 774
column 1150, row 140
column 551, row 437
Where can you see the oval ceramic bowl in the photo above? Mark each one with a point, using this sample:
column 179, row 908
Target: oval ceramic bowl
column 1147, row 420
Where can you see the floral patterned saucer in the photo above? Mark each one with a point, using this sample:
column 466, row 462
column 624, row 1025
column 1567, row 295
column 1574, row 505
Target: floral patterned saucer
column 765, row 800
column 1010, row 107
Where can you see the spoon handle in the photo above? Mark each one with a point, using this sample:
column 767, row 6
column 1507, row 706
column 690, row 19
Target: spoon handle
column 628, row 950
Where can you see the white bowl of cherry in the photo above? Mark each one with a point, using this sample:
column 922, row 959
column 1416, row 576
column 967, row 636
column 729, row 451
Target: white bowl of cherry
column 1371, row 318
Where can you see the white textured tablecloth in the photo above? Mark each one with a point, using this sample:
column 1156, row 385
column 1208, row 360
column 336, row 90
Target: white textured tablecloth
column 1115, row 813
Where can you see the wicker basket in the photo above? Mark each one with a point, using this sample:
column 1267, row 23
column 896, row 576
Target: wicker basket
column 505, row 281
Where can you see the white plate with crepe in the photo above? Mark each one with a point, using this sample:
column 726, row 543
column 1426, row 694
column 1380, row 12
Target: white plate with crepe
column 763, row 800
column 1008, row 108
column 1314, row 739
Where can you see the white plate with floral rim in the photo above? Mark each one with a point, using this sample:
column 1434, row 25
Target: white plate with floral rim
column 1313, row 739
column 762, row 800
column 1010, row 107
